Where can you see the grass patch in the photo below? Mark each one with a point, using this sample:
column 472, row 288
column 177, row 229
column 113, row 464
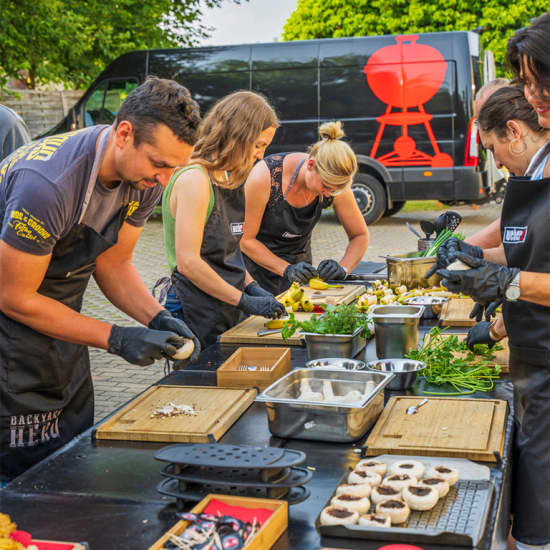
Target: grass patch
column 418, row 206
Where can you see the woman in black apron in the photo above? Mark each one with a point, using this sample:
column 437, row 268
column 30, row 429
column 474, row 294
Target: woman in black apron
column 285, row 196
column 203, row 208
column 523, row 284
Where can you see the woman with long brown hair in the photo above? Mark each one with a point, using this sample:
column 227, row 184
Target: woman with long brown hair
column 203, row 208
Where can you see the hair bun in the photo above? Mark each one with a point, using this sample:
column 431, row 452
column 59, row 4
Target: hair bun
column 331, row 131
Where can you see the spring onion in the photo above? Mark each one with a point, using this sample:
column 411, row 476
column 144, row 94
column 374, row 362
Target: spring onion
column 440, row 239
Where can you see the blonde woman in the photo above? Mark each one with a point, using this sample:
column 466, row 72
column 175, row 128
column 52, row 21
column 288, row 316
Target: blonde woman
column 285, row 196
column 203, row 213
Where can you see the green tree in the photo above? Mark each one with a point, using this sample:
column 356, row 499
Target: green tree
column 496, row 19
column 71, row 41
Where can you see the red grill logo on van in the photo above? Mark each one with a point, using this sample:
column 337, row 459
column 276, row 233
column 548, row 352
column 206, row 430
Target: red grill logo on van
column 406, row 76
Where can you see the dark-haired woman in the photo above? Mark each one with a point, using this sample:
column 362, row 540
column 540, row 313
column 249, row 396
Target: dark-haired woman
column 522, row 283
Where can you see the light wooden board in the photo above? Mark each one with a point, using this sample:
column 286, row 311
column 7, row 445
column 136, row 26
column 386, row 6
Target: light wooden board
column 502, row 357
column 264, row 539
column 456, row 313
column 246, row 332
column 344, row 295
column 218, row 409
column 451, row 427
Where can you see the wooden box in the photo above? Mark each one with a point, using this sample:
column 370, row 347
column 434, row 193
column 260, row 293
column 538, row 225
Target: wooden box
column 264, row 539
column 272, row 363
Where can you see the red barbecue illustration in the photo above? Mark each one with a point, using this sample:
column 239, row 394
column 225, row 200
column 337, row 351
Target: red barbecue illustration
column 406, row 75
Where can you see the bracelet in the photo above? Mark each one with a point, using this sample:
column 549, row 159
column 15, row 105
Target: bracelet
column 493, row 335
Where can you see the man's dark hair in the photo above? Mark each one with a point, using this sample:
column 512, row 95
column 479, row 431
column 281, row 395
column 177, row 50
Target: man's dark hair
column 161, row 101
column 506, row 104
column 532, row 43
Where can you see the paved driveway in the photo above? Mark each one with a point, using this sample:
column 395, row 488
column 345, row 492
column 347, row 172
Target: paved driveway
column 117, row 381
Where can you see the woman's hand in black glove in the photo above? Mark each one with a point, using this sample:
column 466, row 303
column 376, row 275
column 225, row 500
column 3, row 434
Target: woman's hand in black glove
column 489, row 309
column 301, row 272
column 254, row 289
column 265, row 306
column 331, row 270
column 485, row 282
column 142, row 346
column 448, row 251
column 164, row 320
column 480, row 334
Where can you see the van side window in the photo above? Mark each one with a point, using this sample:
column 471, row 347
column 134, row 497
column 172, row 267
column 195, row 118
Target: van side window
column 105, row 101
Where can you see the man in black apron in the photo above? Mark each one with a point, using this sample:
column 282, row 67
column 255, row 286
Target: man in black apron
column 71, row 206
column 526, row 310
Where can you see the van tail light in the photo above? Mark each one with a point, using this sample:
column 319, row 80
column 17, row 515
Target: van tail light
column 471, row 155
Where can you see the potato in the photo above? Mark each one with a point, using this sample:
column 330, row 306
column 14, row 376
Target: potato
column 184, row 351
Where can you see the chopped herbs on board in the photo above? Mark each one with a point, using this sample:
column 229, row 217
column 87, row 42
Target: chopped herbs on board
column 450, row 361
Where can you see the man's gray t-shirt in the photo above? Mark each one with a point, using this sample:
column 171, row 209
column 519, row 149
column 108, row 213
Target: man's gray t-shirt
column 42, row 190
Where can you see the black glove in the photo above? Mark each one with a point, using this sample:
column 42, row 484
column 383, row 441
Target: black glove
column 479, row 334
column 447, row 254
column 301, row 272
column 490, row 311
column 331, row 270
column 164, row 320
column 485, row 282
column 266, row 306
column 141, row 346
column 254, row 289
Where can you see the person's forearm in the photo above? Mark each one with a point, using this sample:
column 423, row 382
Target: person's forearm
column 54, row 319
column 535, row 287
column 354, row 252
column 260, row 254
column 487, row 238
column 125, row 289
column 205, row 278
column 495, row 255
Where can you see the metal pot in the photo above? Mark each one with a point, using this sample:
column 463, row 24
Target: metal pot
column 333, row 345
column 404, row 371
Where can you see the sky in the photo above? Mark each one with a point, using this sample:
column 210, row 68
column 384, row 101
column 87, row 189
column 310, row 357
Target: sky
column 252, row 21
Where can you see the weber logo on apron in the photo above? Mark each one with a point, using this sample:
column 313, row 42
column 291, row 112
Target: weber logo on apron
column 514, row 235
column 237, row 228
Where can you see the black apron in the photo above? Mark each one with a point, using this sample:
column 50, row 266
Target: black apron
column 285, row 230
column 526, row 239
column 46, row 392
column 205, row 315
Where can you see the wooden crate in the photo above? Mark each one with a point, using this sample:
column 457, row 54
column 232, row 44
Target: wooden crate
column 445, row 426
column 276, row 359
column 264, row 539
column 219, row 409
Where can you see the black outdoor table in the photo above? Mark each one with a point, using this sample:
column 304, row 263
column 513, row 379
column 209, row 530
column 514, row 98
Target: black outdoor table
column 104, row 492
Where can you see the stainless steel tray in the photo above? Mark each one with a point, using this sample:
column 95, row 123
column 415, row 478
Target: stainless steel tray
column 333, row 345
column 290, row 417
column 458, row 519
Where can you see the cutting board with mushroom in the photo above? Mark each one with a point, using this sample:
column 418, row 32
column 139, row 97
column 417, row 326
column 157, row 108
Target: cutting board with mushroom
column 452, row 427
column 178, row 414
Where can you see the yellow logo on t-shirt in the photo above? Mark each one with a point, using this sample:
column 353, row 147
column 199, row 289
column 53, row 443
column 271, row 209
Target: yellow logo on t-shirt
column 28, row 226
column 132, row 207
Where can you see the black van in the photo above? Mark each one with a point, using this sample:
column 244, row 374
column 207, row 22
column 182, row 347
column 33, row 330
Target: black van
column 406, row 102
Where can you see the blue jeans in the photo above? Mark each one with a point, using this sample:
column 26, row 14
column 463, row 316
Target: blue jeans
column 173, row 305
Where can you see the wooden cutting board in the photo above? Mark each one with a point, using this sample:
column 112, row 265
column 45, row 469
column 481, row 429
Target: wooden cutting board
column 218, row 409
column 246, row 332
column 456, row 313
column 502, row 357
column 445, row 426
column 344, row 295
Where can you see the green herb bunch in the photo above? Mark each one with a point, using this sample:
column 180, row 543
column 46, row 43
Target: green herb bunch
column 340, row 319
column 467, row 373
column 445, row 235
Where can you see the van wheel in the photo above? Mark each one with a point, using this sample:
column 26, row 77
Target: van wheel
column 370, row 197
column 397, row 206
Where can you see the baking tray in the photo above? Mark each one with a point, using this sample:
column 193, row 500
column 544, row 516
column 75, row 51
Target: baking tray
column 458, row 519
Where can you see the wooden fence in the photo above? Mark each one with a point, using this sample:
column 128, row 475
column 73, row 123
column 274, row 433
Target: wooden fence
column 42, row 110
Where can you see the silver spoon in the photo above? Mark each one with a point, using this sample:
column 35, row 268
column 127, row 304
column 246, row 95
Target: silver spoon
column 414, row 408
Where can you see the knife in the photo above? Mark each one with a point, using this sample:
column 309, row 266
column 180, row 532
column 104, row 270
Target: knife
column 268, row 331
